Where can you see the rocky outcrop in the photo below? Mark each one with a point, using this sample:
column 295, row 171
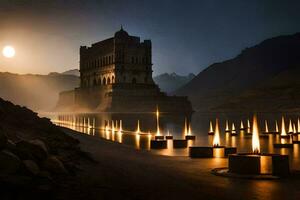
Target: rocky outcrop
column 54, row 165
column 32, row 150
column 3, row 139
column 35, row 155
column 10, row 163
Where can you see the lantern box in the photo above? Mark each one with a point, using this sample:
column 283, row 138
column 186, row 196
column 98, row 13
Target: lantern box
column 180, row 143
column 190, row 137
column 259, row 164
column 158, row 144
column 211, row 152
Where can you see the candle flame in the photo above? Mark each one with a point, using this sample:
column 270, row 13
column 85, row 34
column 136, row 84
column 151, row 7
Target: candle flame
column 116, row 126
column 185, row 127
column 138, row 130
column 290, row 126
column 283, row 131
column 112, row 126
column 298, row 126
column 233, row 128
column 242, row 125
column 88, row 123
column 294, row 128
column 157, row 121
column 189, row 130
column 276, row 127
column 106, row 127
column 211, row 129
column 255, row 136
column 248, row 124
column 94, row 123
column 216, row 141
column 120, row 127
column 266, row 127
column 227, row 126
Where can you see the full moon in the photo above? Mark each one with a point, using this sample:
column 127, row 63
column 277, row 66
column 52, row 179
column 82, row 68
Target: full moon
column 8, row 51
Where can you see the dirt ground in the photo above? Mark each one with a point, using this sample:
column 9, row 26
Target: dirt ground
column 122, row 172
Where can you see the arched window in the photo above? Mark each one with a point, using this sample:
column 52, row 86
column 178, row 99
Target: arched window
column 133, row 81
column 104, row 81
column 112, row 79
column 108, row 80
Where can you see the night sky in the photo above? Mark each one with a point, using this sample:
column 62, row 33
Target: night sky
column 187, row 36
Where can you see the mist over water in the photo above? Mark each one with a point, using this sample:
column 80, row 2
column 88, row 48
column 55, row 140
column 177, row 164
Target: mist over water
column 37, row 92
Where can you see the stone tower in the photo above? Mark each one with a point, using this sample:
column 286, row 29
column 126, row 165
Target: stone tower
column 123, row 59
column 116, row 75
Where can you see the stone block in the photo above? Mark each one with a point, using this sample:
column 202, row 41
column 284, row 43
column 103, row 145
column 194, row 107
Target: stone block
column 158, row 144
column 190, row 137
column 179, row 143
column 201, row 152
column 230, row 150
column 244, row 164
column 169, row 137
column 280, row 165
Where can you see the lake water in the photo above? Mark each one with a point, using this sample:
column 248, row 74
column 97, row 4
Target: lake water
column 94, row 124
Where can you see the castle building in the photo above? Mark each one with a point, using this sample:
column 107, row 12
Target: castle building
column 116, row 75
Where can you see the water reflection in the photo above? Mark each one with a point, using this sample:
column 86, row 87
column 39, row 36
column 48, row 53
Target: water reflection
column 133, row 129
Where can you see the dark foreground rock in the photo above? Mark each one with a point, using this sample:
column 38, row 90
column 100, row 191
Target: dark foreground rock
column 10, row 163
column 37, row 159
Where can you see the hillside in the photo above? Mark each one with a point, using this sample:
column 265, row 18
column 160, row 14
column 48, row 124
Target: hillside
column 37, row 92
column 224, row 82
column 40, row 92
column 171, row 82
column 36, row 157
column 74, row 72
column 279, row 93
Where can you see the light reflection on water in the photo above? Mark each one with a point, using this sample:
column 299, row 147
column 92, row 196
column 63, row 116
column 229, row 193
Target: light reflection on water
column 95, row 125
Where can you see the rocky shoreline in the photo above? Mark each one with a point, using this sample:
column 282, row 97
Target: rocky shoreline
column 36, row 157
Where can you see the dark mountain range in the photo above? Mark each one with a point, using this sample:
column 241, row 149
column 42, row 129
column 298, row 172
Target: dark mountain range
column 38, row 92
column 171, row 82
column 279, row 93
column 257, row 71
column 74, row 72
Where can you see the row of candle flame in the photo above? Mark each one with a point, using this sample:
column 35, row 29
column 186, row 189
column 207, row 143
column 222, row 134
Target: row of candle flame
column 291, row 127
column 255, row 131
column 187, row 129
column 116, row 125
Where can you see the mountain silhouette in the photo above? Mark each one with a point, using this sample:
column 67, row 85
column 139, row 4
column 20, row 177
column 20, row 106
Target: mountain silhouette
column 223, row 83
